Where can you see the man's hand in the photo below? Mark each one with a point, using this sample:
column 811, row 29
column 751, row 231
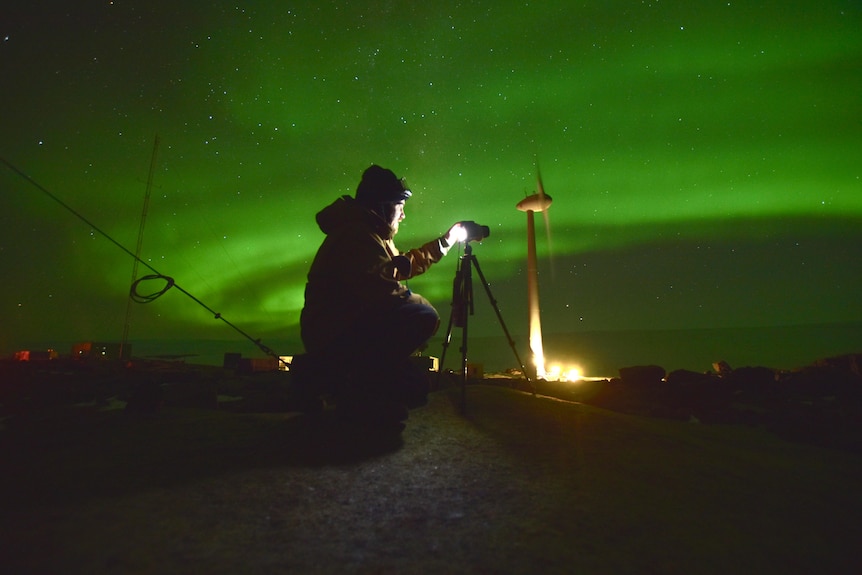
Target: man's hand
column 456, row 234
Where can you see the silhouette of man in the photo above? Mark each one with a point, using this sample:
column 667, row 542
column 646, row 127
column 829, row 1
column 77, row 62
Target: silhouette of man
column 359, row 317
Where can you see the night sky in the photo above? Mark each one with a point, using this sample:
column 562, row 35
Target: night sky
column 704, row 157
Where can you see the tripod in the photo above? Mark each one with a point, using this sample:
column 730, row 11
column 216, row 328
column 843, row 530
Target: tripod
column 462, row 309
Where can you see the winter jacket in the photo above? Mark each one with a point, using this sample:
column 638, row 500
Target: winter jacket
column 353, row 274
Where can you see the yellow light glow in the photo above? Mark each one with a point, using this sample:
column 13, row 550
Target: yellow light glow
column 558, row 372
column 573, row 374
column 536, row 342
column 539, row 362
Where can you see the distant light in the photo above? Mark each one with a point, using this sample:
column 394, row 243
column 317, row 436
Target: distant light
column 556, row 372
column 284, row 361
column 573, row 374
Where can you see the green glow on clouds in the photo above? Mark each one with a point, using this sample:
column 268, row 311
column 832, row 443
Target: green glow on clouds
column 664, row 129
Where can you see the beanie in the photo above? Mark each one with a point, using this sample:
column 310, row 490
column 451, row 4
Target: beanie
column 380, row 186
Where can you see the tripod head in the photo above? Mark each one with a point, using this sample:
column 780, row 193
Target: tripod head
column 468, row 231
column 474, row 232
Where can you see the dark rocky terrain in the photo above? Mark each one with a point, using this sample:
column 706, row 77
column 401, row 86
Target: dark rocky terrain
column 174, row 468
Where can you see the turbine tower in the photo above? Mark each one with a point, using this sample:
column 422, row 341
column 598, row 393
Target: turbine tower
column 538, row 202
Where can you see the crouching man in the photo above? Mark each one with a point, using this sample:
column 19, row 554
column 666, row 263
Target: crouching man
column 360, row 323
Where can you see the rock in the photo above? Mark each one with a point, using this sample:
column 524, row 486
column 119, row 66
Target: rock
column 683, row 378
column 753, row 384
column 722, row 367
column 851, row 363
column 642, row 375
column 700, row 395
column 751, row 377
column 823, row 380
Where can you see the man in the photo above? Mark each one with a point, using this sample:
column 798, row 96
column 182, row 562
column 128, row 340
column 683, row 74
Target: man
column 360, row 323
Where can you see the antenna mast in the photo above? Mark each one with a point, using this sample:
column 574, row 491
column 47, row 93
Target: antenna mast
column 139, row 244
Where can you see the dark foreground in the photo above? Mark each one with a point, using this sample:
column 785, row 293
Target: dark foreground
column 512, row 484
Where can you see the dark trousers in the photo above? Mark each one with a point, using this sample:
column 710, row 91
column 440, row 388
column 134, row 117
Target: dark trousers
column 393, row 335
column 372, row 356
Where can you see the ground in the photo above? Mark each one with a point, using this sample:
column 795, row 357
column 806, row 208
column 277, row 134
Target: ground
column 499, row 481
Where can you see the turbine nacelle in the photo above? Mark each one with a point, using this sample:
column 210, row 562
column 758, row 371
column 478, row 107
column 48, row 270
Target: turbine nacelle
column 535, row 203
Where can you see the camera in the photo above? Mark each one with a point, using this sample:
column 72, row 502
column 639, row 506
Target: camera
column 474, row 232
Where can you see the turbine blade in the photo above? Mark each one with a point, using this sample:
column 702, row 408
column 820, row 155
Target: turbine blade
column 540, row 189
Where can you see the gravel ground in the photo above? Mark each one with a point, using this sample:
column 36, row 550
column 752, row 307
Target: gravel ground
column 511, row 484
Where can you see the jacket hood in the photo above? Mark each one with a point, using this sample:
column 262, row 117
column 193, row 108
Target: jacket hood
column 346, row 213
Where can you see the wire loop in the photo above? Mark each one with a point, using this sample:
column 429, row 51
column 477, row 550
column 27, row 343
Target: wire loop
column 141, row 298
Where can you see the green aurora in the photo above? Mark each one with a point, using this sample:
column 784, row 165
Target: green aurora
column 704, row 158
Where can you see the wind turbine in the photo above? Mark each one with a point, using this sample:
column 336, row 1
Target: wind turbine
column 538, row 202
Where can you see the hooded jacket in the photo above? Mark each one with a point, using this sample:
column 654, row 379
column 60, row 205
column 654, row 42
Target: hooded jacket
column 357, row 272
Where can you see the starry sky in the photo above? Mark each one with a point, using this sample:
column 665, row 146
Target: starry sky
column 703, row 157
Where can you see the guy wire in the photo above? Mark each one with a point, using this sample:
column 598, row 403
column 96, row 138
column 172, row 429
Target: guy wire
column 156, row 274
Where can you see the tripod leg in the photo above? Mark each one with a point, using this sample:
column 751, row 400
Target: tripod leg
column 467, row 310
column 446, row 340
column 503, row 324
column 455, row 315
column 464, row 365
